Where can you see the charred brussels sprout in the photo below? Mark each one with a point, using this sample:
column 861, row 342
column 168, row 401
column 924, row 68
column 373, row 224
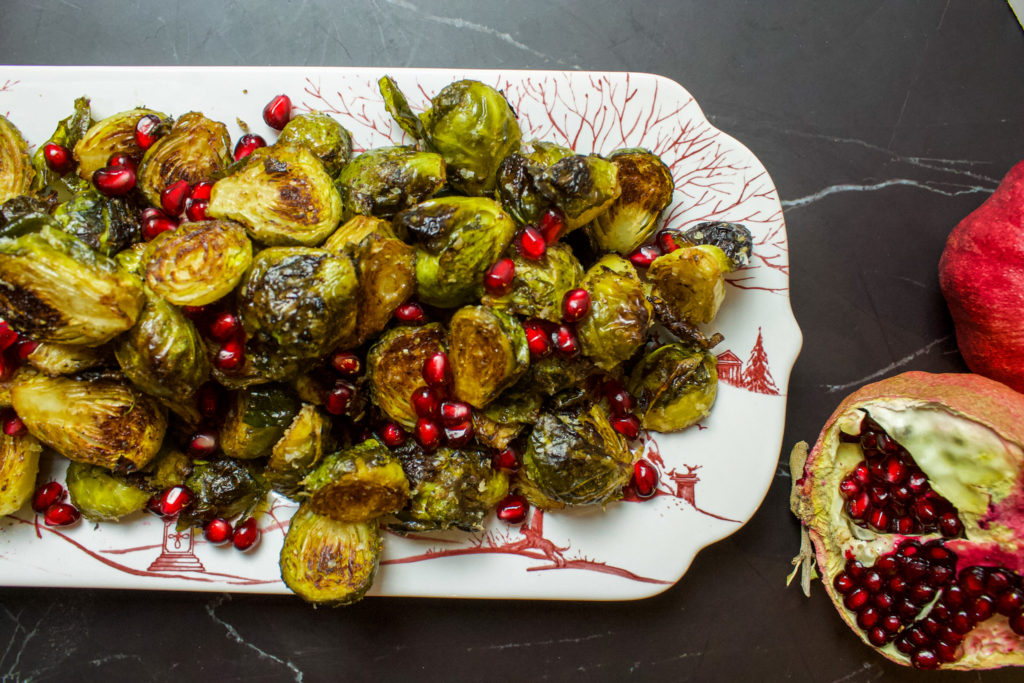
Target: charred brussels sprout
column 169, row 468
column 583, row 187
column 100, row 496
column 198, row 263
column 502, row 421
column 23, row 215
column 66, row 359
column 733, row 239
column 381, row 182
column 282, row 195
column 256, row 419
column 647, row 187
column 394, row 366
column 539, row 285
column 195, row 149
column 54, row 288
column 69, row 131
column 451, row 489
column 321, row 135
column 263, row 362
column 674, row 386
column 300, row 299
column 223, row 488
column 112, row 135
column 575, row 458
column 97, row 419
column 106, row 224
column 19, row 464
column 16, row 172
column 459, row 238
column 516, row 184
column 359, row 484
column 554, row 374
column 619, row 312
column 488, row 352
column 324, row 561
column 298, row 450
column 691, row 282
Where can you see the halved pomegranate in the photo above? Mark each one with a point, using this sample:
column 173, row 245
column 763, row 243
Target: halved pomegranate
column 913, row 499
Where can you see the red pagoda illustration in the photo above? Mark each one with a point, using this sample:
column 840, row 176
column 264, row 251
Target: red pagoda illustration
column 754, row 376
column 176, row 551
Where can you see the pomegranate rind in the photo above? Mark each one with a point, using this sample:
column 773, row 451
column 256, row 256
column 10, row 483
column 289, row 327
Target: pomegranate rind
column 815, row 498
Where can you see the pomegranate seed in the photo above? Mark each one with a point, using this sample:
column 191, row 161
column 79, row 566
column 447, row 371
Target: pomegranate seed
column 225, row 326
column 947, row 652
column 61, row 514
column 338, row 399
column 973, row 581
column 666, row 239
column 195, row 209
column 551, row 224
column 949, row 525
column 46, row 495
column 886, row 564
column 918, row 482
column 1017, row 623
column 201, row 190
column 961, row 622
column 575, row 305
column 856, row 599
column 172, row 199
column 460, row 435
column 146, row 130
column 645, row 478
column 627, row 425
column 454, row 413
column 58, row 158
column 645, row 255
column 898, row 585
column 913, row 568
column 498, row 278
column 984, row 607
column 895, row 470
column 531, row 243
column 954, row 596
column 428, row 434
column 410, row 313
column 230, row 355
column 941, row 574
column 904, row 645
column 922, row 593
column 346, row 363
column 904, row 525
column 620, row 402
column 114, row 182
column 868, row 618
column 918, row 636
column 879, row 494
column 883, row 601
column 879, row 519
column 872, row 581
column 564, row 341
column 997, row 582
column 878, row 636
column 505, row 460
column 247, row 144
column 174, row 500
column 858, row 507
column 208, row 400
column 13, row 426
column 886, row 443
column 513, row 509
column 121, row 160
column 940, row 612
column 437, row 371
column 218, row 531
column 246, row 535
column 843, row 583
column 278, row 112
column 156, row 224
column 902, row 493
column 925, row 659
column 948, row 635
column 203, row 445
column 849, row 487
column 854, row 568
column 925, row 511
column 392, row 435
column 537, row 339
column 861, row 474
column 425, row 402
column 1011, row 601
column 7, row 336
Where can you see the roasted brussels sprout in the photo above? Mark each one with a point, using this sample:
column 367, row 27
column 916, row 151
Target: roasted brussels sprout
column 620, row 313
column 107, row 224
column 488, row 353
column 66, row 359
column 324, row 561
column 394, row 367
column 57, row 289
column 195, row 149
column 300, row 299
column 107, row 137
column 733, row 239
column 674, row 386
column 298, row 450
column 691, row 281
column 547, row 154
column 263, row 362
column 459, row 238
column 502, row 421
column 100, row 496
column 516, row 184
column 575, row 457
column 381, row 182
column 647, row 187
column 256, row 419
column 321, row 135
column 451, row 489
column 282, row 195
column 583, row 187
column 93, row 418
column 25, row 214
column 69, row 131
column 359, row 484
column 554, row 374
column 539, row 285
column 198, row 263
column 19, row 464
column 223, row 488
column 16, row 172
column 170, row 467
column 133, row 259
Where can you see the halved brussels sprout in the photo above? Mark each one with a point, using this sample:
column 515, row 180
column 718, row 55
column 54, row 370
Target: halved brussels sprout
column 674, row 386
column 620, row 313
column 394, row 367
column 302, row 300
column 540, row 285
column 57, row 289
column 100, row 496
column 256, row 419
column 321, row 135
column 575, row 457
column 691, row 281
column 69, row 131
column 359, row 484
column 16, row 172
column 647, row 188
column 198, row 263
column 107, row 137
column 583, row 187
column 66, row 359
column 223, row 488
column 298, row 450
column 133, row 259
column 451, row 489
column 381, row 182
column 733, row 239
column 488, row 352
column 502, row 421
column 19, row 465
column 163, row 354
column 107, row 224
column 324, row 561
column 460, row 237
column 195, row 149
column 95, row 418
column 282, row 195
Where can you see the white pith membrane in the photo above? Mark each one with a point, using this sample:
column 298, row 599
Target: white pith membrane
column 967, row 463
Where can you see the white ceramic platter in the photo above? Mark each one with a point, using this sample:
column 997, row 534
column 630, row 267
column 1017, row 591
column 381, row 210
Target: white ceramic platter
column 713, row 476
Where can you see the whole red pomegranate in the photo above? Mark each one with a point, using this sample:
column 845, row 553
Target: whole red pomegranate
column 913, row 500
column 981, row 273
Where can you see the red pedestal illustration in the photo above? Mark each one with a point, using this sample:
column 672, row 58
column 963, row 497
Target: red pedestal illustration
column 176, row 551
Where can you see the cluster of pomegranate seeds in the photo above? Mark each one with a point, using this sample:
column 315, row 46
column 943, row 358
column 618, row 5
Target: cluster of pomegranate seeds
column 664, row 242
column 278, row 112
column 48, row 500
column 147, row 131
column 247, row 144
column 438, row 416
column 889, row 493
column 14, row 349
column 154, row 222
column 620, row 406
column 58, row 158
column 117, row 178
column 198, row 200
column 498, row 278
column 410, row 313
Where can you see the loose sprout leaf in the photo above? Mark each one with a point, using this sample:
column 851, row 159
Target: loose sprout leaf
column 398, row 107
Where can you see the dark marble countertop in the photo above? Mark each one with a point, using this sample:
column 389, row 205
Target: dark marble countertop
column 881, row 123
